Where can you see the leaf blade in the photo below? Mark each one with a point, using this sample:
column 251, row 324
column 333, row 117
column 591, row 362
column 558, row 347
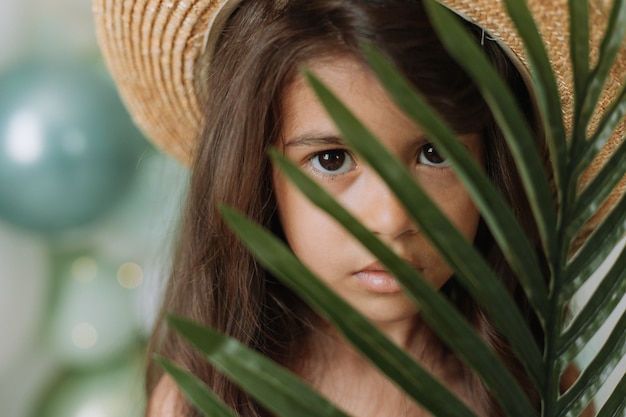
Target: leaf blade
column 600, row 187
column 203, row 399
column 471, row 270
column 616, row 403
column 447, row 323
column 595, row 249
column 579, row 53
column 498, row 216
column 546, row 89
column 274, row 387
column 504, row 107
column 592, row 378
column 609, row 48
column 409, row 376
column 597, row 309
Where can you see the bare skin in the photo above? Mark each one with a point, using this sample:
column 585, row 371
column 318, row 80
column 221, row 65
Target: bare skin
column 347, row 379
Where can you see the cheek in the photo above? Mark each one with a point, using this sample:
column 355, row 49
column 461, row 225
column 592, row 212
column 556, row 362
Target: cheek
column 311, row 234
column 457, row 205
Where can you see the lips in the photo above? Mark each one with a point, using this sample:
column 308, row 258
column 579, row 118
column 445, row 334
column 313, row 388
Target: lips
column 375, row 278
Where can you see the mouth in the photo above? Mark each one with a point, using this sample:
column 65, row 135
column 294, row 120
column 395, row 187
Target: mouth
column 375, row 278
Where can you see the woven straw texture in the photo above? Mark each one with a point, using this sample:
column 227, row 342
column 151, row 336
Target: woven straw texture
column 157, row 50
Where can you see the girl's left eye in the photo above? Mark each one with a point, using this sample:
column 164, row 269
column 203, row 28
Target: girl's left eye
column 333, row 162
column 429, row 155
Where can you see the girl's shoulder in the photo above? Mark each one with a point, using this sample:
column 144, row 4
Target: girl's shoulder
column 165, row 400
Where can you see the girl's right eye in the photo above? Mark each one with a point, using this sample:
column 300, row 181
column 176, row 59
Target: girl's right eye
column 332, row 162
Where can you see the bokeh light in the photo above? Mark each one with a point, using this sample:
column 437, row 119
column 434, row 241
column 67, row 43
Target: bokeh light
column 130, row 275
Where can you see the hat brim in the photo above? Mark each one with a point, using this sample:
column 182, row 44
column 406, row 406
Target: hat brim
column 158, row 50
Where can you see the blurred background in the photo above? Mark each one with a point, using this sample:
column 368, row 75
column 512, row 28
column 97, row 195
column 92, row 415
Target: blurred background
column 88, row 214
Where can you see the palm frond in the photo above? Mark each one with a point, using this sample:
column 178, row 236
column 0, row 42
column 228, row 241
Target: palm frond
column 506, row 112
column 198, row 394
column 434, row 308
column 616, row 404
column 597, row 309
column 393, row 361
column 498, row 216
column 468, row 264
column 274, row 387
column 546, row 90
column 559, row 223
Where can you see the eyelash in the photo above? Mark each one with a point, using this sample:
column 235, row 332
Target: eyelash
column 320, row 170
column 443, row 164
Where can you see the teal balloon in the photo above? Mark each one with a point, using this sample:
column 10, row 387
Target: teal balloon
column 68, row 149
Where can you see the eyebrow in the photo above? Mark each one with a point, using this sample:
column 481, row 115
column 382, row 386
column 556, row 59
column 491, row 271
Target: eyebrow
column 314, row 139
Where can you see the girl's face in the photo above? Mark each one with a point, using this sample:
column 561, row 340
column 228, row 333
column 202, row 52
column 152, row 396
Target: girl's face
column 310, row 139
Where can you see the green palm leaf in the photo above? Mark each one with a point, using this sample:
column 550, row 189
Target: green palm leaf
column 467, row 263
column 196, row 392
column 506, row 112
column 609, row 48
column 597, row 309
column 606, row 126
column 616, row 404
column 545, row 88
column 579, row 47
column 498, row 216
column 389, row 358
column 579, row 53
column 277, row 389
column 558, row 224
column 596, row 373
column 594, row 251
column 434, row 308
column 598, row 189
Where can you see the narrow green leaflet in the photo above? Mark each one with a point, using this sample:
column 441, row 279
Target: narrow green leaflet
column 506, row 112
column 545, row 88
column 496, row 213
column 471, row 269
column 597, row 309
column 389, row 358
column 596, row 374
column 579, row 52
column 443, row 318
column 616, row 403
column 611, row 43
column 196, row 391
column 271, row 385
column 591, row 255
column 594, row 194
column 608, row 122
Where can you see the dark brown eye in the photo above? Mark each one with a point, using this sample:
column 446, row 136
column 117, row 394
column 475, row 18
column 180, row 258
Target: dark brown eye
column 334, row 161
column 430, row 156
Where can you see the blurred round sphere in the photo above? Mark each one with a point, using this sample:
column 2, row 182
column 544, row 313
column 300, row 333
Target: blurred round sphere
column 68, row 149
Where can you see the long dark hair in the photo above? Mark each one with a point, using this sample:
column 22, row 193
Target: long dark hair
column 215, row 280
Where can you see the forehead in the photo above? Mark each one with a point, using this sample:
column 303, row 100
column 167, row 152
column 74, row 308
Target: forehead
column 353, row 84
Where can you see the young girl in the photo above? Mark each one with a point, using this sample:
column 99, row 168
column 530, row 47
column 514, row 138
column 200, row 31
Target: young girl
column 239, row 62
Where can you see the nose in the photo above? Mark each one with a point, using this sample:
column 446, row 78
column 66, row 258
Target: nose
column 380, row 211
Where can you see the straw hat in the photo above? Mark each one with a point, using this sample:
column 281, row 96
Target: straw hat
column 156, row 50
